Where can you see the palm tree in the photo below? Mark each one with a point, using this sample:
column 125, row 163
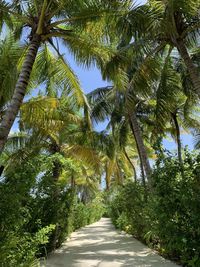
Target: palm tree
column 139, row 74
column 10, row 53
column 137, row 133
column 53, row 129
column 159, row 24
column 71, row 22
column 116, row 162
column 110, row 103
column 175, row 108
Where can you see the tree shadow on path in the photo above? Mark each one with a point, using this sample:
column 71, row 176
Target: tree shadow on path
column 100, row 245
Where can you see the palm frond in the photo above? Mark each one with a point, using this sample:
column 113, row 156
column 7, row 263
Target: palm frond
column 91, row 52
column 10, row 52
column 5, row 17
column 16, row 141
column 167, row 94
column 83, row 154
column 41, row 113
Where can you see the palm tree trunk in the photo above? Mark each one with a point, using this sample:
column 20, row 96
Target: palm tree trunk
column 1, row 169
column 143, row 175
column 178, row 139
column 72, row 180
column 120, row 175
column 131, row 163
column 140, row 144
column 107, row 185
column 56, row 171
column 20, row 90
column 107, row 178
column 55, row 193
column 193, row 72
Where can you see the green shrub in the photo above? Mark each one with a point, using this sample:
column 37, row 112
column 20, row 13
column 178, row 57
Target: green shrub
column 87, row 213
column 80, row 215
column 128, row 209
column 176, row 208
column 21, row 249
column 38, row 213
column 169, row 219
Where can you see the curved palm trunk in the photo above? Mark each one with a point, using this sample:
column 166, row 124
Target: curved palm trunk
column 20, row 90
column 131, row 163
column 107, row 179
column 140, row 144
column 193, row 72
column 109, row 168
column 178, row 139
column 120, row 175
column 144, row 183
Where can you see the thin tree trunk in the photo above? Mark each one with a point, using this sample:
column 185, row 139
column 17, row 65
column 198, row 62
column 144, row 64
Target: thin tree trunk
column 56, row 172
column 141, row 162
column 72, row 181
column 131, row 163
column 20, row 90
column 143, row 175
column 56, row 192
column 193, row 72
column 178, row 139
column 140, row 144
column 1, row 169
column 120, row 175
column 107, row 178
column 107, row 185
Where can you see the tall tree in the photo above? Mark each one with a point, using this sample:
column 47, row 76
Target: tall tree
column 176, row 108
column 139, row 73
column 161, row 23
column 111, row 104
column 10, row 53
column 71, row 21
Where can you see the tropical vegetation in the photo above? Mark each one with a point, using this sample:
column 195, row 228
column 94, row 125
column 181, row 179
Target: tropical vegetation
column 57, row 171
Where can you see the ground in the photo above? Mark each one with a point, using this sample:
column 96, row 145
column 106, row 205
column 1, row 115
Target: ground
column 100, row 245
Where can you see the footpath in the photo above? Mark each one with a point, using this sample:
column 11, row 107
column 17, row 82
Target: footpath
column 100, row 245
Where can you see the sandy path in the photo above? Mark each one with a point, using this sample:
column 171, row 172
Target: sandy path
column 100, row 245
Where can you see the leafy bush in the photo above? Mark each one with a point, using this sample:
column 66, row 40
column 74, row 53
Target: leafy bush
column 21, row 249
column 176, row 208
column 80, row 216
column 169, row 219
column 87, row 213
column 127, row 209
column 96, row 209
column 37, row 213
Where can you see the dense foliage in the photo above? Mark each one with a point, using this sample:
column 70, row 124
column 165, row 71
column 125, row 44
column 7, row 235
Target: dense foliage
column 53, row 163
column 32, row 220
column 167, row 218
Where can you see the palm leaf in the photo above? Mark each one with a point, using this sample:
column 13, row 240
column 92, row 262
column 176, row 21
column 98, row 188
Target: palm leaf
column 10, row 52
column 83, row 154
